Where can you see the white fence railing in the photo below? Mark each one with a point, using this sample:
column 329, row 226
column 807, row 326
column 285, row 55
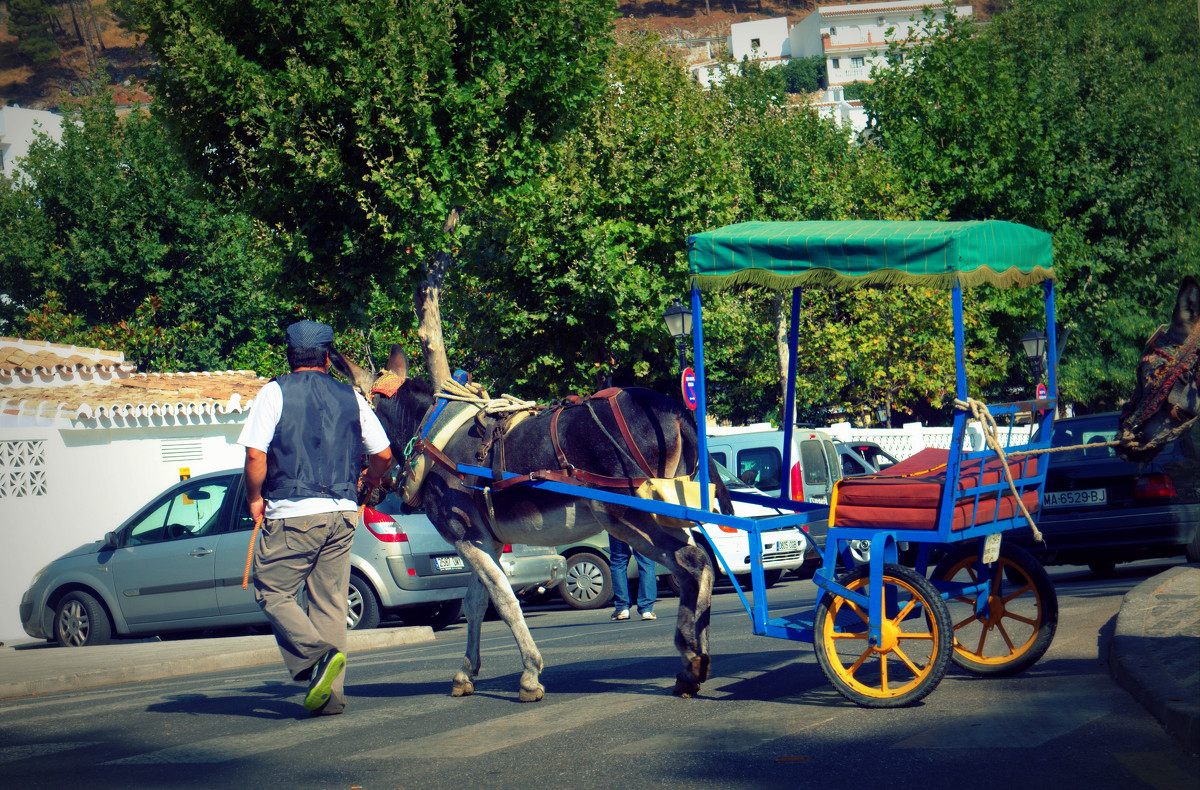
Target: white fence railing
column 914, row 436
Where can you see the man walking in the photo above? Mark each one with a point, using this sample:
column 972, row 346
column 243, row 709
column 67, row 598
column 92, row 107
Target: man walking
column 305, row 437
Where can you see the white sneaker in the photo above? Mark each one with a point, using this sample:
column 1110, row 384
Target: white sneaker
column 620, row 614
column 649, row 616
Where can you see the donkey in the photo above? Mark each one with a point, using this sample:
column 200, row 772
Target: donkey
column 1166, row 398
column 586, row 442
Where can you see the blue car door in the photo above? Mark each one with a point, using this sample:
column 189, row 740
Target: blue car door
column 165, row 568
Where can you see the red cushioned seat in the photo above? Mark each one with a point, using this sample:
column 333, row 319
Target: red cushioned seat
column 907, row 495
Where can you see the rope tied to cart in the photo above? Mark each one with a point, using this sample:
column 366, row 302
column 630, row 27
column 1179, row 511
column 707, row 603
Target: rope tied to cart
column 987, row 422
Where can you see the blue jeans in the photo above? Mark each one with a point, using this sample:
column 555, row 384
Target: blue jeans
column 618, row 553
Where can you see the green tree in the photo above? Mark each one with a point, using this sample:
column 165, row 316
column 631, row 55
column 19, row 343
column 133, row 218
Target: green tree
column 804, row 75
column 566, row 282
column 107, row 233
column 1077, row 118
column 29, row 22
column 367, row 127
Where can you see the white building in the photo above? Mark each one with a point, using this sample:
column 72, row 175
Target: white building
column 763, row 40
column 85, row 440
column 18, row 129
column 853, row 38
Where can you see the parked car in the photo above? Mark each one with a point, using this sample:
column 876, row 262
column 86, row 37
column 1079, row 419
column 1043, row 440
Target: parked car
column 755, row 455
column 1099, row 510
column 853, row 463
column 177, row 565
column 588, row 584
column 878, row 457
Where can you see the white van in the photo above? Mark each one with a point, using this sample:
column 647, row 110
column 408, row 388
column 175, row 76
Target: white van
column 754, row 453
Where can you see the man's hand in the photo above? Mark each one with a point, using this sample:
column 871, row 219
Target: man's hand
column 258, row 509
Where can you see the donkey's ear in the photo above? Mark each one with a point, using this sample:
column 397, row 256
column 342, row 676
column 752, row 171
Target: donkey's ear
column 1187, row 303
column 356, row 375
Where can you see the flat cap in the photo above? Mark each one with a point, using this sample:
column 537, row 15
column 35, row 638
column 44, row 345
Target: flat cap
column 309, row 334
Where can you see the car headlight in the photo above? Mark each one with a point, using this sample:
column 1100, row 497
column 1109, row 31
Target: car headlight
column 38, row 575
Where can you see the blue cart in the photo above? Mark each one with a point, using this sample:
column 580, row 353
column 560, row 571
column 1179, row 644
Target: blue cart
column 885, row 633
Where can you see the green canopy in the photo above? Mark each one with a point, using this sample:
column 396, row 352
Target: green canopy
column 783, row 255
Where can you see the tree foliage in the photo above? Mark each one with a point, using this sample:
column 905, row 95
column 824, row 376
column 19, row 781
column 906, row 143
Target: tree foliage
column 1077, row 118
column 107, row 240
column 364, row 126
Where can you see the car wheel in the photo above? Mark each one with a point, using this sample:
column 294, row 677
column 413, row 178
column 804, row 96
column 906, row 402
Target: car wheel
column 362, row 608
column 80, row 621
column 673, row 584
column 588, row 583
column 436, row 615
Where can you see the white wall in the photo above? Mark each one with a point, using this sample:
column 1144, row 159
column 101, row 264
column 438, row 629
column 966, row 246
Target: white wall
column 772, row 36
column 17, row 130
column 93, row 478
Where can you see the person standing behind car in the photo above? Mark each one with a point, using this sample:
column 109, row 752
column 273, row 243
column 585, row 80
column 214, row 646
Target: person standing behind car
column 305, row 437
column 618, row 557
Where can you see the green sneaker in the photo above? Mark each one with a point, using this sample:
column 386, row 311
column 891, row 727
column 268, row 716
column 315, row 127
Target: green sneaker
column 326, row 670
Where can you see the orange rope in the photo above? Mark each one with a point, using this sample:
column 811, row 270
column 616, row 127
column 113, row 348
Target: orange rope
column 250, row 553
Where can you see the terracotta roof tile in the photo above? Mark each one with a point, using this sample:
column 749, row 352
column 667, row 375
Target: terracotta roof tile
column 139, row 395
column 19, row 356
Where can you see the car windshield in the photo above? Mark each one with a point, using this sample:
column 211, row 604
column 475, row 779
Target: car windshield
column 730, row 480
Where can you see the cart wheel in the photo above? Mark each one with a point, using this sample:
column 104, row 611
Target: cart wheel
column 1022, row 611
column 915, row 651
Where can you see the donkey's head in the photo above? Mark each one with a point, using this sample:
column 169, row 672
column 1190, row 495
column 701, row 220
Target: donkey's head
column 1167, row 394
column 400, row 414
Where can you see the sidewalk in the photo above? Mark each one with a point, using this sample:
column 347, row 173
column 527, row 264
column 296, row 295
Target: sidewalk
column 1155, row 653
column 39, row 668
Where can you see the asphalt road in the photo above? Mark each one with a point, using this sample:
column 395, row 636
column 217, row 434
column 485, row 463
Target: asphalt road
column 767, row 717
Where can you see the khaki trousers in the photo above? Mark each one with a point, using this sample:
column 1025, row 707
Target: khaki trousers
column 311, row 552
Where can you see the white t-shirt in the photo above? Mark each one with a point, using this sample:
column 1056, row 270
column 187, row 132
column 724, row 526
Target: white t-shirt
column 259, row 430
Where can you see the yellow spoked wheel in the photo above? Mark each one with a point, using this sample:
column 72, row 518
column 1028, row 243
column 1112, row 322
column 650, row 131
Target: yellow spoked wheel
column 1022, row 610
column 914, row 650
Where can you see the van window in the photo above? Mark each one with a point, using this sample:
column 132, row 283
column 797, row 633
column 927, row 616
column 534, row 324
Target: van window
column 812, row 456
column 760, row 467
column 719, row 458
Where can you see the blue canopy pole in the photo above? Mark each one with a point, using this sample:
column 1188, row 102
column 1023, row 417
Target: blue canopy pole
column 701, row 407
column 788, row 418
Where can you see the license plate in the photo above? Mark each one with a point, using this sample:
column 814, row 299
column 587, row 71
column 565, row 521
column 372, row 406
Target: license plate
column 451, row 563
column 787, row 545
column 1088, row 497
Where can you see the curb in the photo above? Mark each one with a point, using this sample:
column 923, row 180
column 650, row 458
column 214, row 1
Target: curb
column 1137, row 668
column 130, row 663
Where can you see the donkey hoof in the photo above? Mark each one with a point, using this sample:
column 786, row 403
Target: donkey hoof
column 462, row 689
column 685, row 686
column 532, row 695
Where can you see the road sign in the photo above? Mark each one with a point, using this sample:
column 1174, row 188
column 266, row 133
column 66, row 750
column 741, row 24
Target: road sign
column 1042, row 392
column 687, row 383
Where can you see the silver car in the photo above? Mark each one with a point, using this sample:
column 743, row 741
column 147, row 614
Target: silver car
column 177, row 565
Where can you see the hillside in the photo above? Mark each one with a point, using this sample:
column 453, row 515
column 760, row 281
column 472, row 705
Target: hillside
column 46, row 86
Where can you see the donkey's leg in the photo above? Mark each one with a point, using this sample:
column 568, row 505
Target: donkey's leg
column 492, row 578
column 475, row 606
column 690, row 566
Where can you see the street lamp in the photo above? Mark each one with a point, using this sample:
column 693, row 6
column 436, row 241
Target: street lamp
column 1034, row 342
column 679, row 324
column 882, row 415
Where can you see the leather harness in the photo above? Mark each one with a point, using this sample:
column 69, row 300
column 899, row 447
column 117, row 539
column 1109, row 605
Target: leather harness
column 566, row 472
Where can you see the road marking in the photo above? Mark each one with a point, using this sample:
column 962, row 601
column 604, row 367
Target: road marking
column 1049, row 709
column 10, row 754
column 507, row 731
